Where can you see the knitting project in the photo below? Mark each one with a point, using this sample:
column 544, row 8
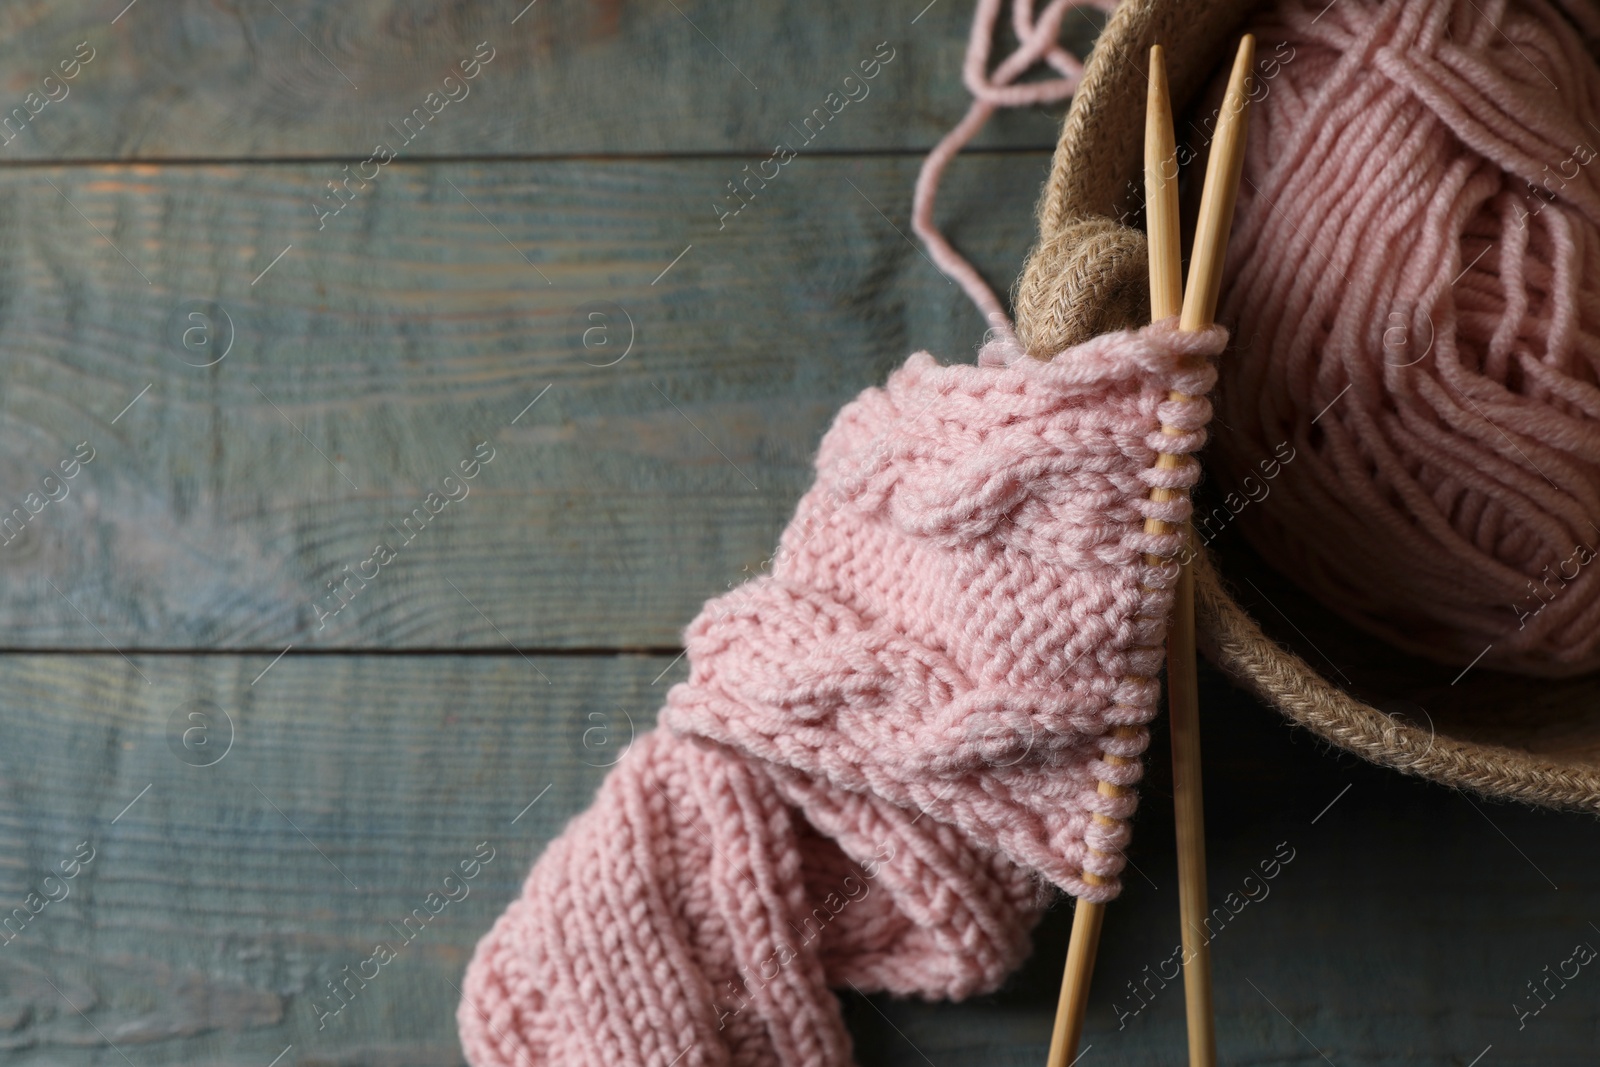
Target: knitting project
column 887, row 746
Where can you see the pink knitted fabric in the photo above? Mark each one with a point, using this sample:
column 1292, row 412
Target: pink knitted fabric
column 886, row 746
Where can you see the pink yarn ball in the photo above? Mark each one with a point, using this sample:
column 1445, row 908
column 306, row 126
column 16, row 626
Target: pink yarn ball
column 1412, row 283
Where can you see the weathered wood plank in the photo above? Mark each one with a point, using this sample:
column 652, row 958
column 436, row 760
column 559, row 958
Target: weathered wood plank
column 226, row 884
column 188, row 79
column 370, row 360
column 216, row 899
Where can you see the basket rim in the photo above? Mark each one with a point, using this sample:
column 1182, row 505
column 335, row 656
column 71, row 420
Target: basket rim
column 1232, row 640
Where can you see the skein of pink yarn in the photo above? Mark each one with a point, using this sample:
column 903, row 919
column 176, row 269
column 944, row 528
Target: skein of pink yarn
column 1414, row 285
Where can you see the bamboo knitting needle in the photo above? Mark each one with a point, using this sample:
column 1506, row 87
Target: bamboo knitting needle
column 1166, row 294
column 1199, row 306
column 1183, row 705
column 1219, row 195
column 1161, row 223
column 1198, row 310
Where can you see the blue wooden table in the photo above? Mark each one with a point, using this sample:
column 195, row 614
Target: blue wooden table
column 273, row 269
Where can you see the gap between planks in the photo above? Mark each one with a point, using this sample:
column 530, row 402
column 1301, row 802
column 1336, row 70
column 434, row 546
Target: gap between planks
column 178, row 162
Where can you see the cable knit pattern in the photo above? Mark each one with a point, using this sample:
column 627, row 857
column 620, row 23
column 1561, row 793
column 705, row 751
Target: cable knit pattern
column 885, row 743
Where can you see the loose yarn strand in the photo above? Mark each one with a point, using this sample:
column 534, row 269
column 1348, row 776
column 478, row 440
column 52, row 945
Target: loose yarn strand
column 1037, row 44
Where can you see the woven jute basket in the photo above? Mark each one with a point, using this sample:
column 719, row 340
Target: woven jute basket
column 1536, row 741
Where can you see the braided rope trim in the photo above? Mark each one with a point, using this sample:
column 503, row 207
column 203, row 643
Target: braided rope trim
column 1232, row 640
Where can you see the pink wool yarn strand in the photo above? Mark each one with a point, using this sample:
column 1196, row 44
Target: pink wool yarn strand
column 1413, row 280
column 991, row 91
column 890, row 746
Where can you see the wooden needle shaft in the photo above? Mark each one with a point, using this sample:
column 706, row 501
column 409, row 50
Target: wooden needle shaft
column 1220, row 193
column 1081, row 947
column 1217, row 200
column 1162, row 228
column 1196, row 306
column 1183, row 703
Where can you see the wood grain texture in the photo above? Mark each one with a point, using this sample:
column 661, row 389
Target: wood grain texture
column 370, row 360
column 221, row 900
column 253, row 79
column 218, row 902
